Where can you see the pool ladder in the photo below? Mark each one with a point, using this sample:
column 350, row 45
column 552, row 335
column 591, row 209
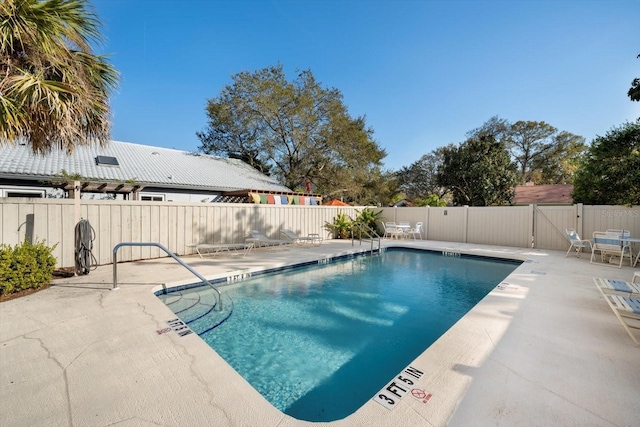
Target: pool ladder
column 369, row 235
column 172, row 255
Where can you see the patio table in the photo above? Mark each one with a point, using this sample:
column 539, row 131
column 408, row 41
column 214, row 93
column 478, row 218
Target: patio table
column 404, row 227
column 632, row 240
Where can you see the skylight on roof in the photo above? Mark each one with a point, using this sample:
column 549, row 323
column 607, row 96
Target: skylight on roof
column 106, row 161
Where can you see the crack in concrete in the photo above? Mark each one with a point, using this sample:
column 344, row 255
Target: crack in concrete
column 159, row 323
column 101, row 298
column 493, row 344
column 133, row 419
column 205, row 385
column 64, row 376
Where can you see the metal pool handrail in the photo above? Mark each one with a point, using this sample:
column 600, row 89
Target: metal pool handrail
column 370, row 234
column 171, row 254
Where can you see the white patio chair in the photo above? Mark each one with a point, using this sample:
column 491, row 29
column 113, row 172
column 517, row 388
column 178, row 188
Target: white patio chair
column 391, row 230
column 609, row 245
column 622, row 233
column 417, row 230
column 576, row 242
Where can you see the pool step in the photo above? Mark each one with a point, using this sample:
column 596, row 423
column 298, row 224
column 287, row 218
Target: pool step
column 197, row 308
column 212, row 319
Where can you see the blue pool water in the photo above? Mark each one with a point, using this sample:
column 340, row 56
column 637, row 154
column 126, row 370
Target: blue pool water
column 319, row 341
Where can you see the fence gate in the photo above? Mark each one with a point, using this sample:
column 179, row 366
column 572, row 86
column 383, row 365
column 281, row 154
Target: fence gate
column 549, row 226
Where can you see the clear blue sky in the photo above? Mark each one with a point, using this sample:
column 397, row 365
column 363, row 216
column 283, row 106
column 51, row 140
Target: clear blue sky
column 424, row 73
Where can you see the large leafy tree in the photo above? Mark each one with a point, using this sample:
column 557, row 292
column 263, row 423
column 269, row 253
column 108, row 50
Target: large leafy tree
column 559, row 163
column 530, row 145
column 609, row 170
column 54, row 91
column 295, row 130
column 377, row 189
column 420, row 179
column 634, row 91
column 543, row 154
column 496, row 128
column 478, row 172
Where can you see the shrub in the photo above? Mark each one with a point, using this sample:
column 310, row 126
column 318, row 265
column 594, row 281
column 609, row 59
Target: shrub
column 368, row 218
column 431, row 200
column 25, row 266
column 341, row 226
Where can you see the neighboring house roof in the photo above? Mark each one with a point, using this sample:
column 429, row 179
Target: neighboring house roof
column 143, row 164
column 335, row 202
column 543, row 194
column 403, row 204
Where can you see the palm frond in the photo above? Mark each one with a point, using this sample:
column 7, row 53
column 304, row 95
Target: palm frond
column 54, row 91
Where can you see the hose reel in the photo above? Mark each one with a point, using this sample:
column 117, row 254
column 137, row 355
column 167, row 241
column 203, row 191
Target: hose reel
column 84, row 237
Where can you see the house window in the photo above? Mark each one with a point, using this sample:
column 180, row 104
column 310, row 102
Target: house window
column 38, row 194
column 152, row 197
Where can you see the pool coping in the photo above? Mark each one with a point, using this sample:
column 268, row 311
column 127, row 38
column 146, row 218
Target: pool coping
column 538, row 349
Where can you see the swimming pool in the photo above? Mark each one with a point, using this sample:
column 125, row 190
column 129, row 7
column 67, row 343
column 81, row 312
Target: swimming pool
column 319, row 341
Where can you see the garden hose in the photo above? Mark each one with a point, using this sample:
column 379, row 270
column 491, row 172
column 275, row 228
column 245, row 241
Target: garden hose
column 85, row 235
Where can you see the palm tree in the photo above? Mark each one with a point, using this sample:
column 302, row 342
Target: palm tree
column 54, row 91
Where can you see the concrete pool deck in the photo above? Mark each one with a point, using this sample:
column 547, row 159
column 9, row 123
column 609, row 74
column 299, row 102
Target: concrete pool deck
column 543, row 348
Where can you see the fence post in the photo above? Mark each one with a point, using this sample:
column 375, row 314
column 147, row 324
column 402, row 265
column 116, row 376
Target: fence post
column 578, row 219
column 532, row 221
column 426, row 223
column 466, row 223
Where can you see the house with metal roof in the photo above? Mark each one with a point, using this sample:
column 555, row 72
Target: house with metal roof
column 122, row 170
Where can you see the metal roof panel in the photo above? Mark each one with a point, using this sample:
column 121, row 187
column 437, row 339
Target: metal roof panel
column 142, row 164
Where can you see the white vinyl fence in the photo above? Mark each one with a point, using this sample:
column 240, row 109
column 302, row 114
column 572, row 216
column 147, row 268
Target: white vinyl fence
column 531, row 226
column 175, row 225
